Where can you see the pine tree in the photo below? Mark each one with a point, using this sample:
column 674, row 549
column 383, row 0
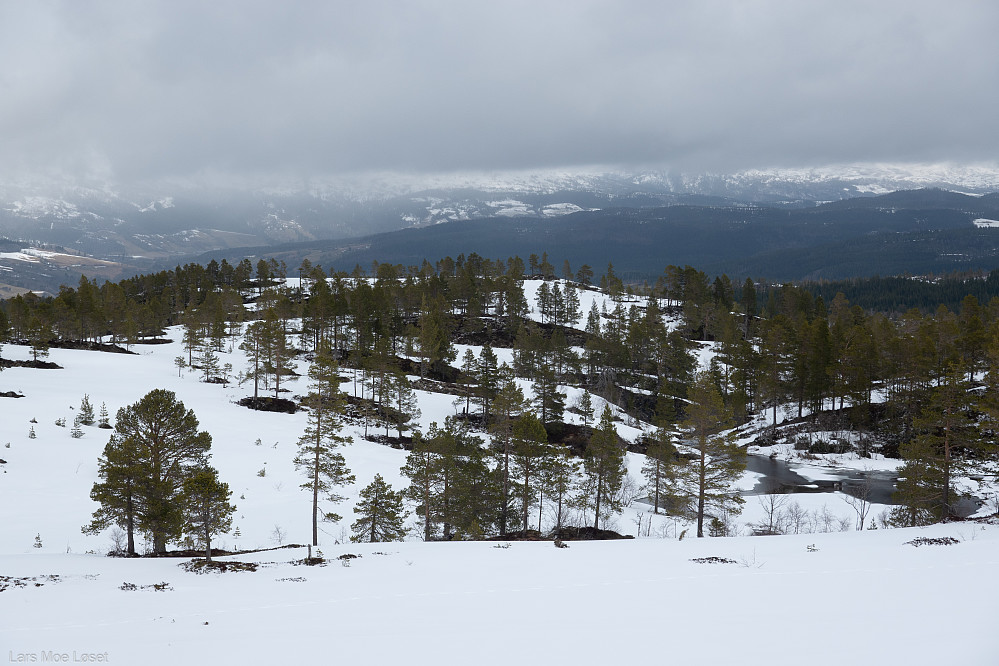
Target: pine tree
column 604, row 470
column 529, row 440
column 661, row 462
column 558, row 472
column 434, row 335
column 121, row 473
column 206, row 507
column 193, row 334
column 155, row 447
column 488, row 379
column 508, row 404
column 380, row 514
column 253, row 346
column 946, row 440
column 468, row 376
column 324, row 467
column 450, row 482
column 584, row 404
column 720, row 462
column 103, row 420
column 423, row 468
column 39, row 336
column 277, row 355
column 209, row 361
column 406, row 406
column 548, row 400
column 86, row 413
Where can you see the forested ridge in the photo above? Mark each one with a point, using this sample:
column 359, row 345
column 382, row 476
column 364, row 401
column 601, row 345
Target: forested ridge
column 919, row 384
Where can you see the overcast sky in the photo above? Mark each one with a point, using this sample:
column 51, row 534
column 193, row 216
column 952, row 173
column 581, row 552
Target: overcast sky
column 132, row 90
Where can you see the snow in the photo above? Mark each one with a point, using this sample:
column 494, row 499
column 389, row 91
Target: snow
column 30, row 254
column 627, row 601
column 824, row 598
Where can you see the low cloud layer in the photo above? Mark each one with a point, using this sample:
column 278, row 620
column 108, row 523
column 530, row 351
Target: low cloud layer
column 141, row 91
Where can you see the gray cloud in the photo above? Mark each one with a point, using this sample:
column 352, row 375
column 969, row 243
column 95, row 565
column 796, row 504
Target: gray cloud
column 138, row 91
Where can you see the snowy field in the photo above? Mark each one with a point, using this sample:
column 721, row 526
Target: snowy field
column 822, row 598
column 853, row 597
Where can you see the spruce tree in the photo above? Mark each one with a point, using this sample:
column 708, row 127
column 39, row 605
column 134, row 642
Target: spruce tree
column 380, row 514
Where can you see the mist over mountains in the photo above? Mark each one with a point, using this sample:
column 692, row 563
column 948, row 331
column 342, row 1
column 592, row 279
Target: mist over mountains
column 807, row 222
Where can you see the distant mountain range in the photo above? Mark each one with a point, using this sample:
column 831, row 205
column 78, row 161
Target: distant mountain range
column 590, row 217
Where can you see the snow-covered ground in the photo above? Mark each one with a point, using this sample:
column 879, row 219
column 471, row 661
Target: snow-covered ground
column 821, row 597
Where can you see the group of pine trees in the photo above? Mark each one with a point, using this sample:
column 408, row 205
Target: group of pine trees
column 913, row 382
column 155, row 477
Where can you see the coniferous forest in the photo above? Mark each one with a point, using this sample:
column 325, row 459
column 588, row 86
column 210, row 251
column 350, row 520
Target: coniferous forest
column 908, row 367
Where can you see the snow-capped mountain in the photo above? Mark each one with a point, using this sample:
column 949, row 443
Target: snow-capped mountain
column 183, row 219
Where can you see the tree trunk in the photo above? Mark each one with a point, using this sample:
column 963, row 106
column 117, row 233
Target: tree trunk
column 596, row 517
column 700, row 492
column 208, row 543
column 315, row 499
column 130, row 527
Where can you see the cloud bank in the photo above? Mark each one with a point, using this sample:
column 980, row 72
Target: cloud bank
column 142, row 91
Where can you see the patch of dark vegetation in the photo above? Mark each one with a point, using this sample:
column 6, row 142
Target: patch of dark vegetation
column 89, row 346
column 11, row 394
column 26, row 581
column 820, row 446
column 154, row 341
column 39, row 365
column 520, row 535
column 320, row 561
column 879, row 426
column 267, row 404
column 713, row 560
column 405, row 442
column 574, row 437
column 202, row 566
column 587, row 534
column 437, row 371
column 435, row 386
column 932, row 541
column 157, row 587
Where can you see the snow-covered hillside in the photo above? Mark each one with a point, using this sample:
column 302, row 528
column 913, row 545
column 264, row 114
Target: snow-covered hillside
column 753, row 600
